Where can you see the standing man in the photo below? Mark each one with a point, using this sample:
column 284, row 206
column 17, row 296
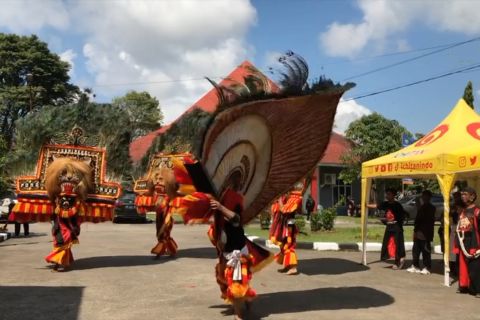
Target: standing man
column 309, row 205
column 393, row 245
column 423, row 235
column 467, row 244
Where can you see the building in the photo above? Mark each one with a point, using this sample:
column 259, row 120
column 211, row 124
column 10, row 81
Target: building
column 326, row 188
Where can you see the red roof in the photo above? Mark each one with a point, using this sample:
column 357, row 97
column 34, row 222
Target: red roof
column 337, row 146
column 209, row 102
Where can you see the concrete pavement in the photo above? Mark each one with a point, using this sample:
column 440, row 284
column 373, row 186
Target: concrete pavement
column 115, row 277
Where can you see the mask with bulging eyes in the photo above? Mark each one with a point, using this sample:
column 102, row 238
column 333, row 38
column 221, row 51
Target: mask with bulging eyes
column 68, row 181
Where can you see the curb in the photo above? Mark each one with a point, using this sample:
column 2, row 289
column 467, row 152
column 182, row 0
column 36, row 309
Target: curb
column 4, row 236
column 334, row 246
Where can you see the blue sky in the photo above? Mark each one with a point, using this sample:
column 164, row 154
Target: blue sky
column 116, row 46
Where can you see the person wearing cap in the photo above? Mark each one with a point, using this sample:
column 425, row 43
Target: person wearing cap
column 467, row 244
column 393, row 245
column 423, row 235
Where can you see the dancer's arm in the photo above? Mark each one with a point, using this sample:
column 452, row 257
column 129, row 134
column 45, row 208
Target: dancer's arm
column 229, row 214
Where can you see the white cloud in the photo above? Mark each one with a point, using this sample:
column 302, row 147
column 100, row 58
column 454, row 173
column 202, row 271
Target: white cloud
column 69, row 56
column 160, row 41
column 145, row 44
column 23, row 16
column 384, row 19
column 347, row 112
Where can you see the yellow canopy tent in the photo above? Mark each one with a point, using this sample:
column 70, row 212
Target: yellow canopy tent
column 448, row 153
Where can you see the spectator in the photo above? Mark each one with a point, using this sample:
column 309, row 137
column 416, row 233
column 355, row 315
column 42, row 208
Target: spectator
column 423, row 235
column 350, row 207
column 309, row 205
column 393, row 245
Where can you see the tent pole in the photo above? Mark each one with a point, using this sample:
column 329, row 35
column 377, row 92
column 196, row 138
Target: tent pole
column 366, row 186
column 446, row 184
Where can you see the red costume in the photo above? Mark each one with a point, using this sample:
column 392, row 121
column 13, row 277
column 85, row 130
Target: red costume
column 467, row 246
column 68, row 189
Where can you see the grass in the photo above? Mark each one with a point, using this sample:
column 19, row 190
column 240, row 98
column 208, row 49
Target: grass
column 347, row 230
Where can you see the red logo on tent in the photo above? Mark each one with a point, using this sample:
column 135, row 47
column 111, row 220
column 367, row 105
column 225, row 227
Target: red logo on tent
column 472, row 129
column 473, row 160
column 433, row 136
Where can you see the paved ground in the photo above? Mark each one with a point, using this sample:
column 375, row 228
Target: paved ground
column 116, row 278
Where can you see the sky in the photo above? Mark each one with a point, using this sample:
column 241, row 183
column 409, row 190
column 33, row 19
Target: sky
column 167, row 47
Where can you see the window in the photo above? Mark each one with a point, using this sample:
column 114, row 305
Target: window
column 340, row 190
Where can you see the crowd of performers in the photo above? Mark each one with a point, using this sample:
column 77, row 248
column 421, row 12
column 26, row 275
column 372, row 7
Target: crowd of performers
column 171, row 191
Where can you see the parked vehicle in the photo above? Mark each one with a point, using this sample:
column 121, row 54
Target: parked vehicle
column 126, row 211
column 409, row 204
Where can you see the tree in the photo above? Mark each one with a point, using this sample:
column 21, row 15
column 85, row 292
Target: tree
column 105, row 125
column 143, row 112
column 372, row 136
column 30, row 77
column 3, row 172
column 468, row 95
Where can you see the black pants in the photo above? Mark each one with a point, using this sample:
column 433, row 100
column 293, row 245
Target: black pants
column 309, row 213
column 442, row 242
column 423, row 247
column 25, row 229
column 474, row 274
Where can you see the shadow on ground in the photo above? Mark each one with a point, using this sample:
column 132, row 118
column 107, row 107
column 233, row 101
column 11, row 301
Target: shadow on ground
column 198, row 253
column 319, row 299
column 40, row 302
column 117, row 261
column 332, row 266
column 130, row 261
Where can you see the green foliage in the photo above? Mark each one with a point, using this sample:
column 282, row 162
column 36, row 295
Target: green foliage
column 30, row 77
column 372, row 136
column 468, row 95
column 300, row 223
column 3, row 168
column 105, row 124
column 327, row 218
column 142, row 110
column 315, row 224
column 185, row 135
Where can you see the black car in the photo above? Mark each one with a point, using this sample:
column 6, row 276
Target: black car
column 409, row 204
column 126, row 211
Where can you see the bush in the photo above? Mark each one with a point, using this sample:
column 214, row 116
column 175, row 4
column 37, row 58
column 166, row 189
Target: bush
column 315, row 224
column 300, row 223
column 327, row 218
column 265, row 219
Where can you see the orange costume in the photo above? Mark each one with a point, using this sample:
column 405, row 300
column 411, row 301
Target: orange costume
column 68, row 189
column 168, row 190
column 283, row 231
